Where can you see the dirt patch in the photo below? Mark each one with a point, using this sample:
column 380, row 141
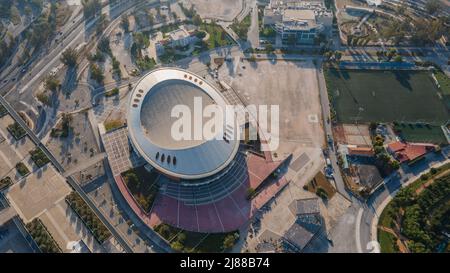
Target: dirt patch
column 320, row 181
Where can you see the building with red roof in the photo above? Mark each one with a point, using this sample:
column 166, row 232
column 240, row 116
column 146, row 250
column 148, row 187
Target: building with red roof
column 409, row 152
column 361, row 151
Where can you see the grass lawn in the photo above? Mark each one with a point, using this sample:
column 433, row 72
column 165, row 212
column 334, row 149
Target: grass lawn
column 387, row 242
column 421, row 133
column 217, row 36
column 385, row 219
column 197, row 242
column 444, row 82
column 142, row 186
column 113, row 124
column 385, row 96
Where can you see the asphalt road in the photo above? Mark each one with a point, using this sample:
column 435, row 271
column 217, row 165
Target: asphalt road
column 339, row 182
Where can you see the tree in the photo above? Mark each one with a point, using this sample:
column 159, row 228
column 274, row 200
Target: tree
column 101, row 24
column 177, row 246
column 51, row 83
column 181, row 237
column 417, row 247
column 229, row 241
column 403, row 198
column 394, row 164
column 269, row 48
column 398, row 59
column 197, row 20
column 433, row 6
column 401, row 8
column 125, row 23
column 337, row 56
column 116, row 67
column 141, row 40
column 151, row 19
column 91, row 7
column 200, row 34
column 103, row 45
column 96, row 73
column 250, row 193
column 132, row 181
column 69, row 57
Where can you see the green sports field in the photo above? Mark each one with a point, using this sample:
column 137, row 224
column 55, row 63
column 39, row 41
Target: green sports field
column 412, row 132
column 385, row 96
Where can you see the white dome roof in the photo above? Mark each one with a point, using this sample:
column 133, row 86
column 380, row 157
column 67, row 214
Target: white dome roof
column 150, row 123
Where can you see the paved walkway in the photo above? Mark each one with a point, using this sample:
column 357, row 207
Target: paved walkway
column 7, row 214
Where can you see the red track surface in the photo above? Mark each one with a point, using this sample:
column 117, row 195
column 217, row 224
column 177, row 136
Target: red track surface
column 227, row 214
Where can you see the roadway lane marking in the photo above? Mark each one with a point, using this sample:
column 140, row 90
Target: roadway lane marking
column 357, row 233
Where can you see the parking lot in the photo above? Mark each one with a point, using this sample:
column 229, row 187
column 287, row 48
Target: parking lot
column 218, row 9
column 290, row 85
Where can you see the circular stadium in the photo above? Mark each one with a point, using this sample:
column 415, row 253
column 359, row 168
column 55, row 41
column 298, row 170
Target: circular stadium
column 150, row 122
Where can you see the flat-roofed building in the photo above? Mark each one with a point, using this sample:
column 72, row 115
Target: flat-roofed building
column 297, row 22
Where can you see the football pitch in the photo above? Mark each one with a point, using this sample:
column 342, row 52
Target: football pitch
column 385, row 96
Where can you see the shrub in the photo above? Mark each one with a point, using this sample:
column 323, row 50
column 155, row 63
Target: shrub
column 93, row 223
column 112, row 92
column 22, row 169
column 5, row 182
column 16, row 131
column 250, row 193
column 425, row 176
column 42, row 237
column 3, row 111
column 322, row 193
column 39, row 157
